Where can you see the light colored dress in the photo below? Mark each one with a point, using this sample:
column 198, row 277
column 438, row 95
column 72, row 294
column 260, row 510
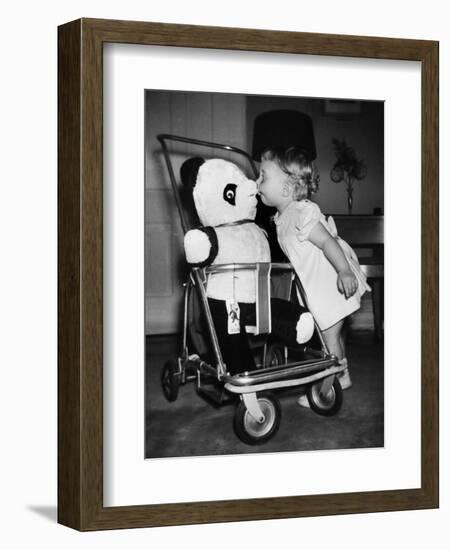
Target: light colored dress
column 318, row 276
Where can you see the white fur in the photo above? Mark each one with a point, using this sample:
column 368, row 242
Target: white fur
column 245, row 243
column 305, row 327
column 242, row 243
column 197, row 246
column 212, row 178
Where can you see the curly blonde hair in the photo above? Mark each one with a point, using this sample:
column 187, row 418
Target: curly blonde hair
column 294, row 162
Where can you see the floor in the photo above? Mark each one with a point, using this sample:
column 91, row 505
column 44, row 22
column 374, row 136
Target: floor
column 191, row 426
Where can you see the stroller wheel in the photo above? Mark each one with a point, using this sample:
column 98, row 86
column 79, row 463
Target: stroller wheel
column 170, row 380
column 325, row 405
column 252, row 432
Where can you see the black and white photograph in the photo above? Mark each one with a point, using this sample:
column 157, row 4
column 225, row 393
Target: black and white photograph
column 224, row 282
column 264, row 268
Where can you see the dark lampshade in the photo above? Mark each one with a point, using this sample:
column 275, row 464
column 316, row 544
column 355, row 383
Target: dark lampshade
column 283, row 129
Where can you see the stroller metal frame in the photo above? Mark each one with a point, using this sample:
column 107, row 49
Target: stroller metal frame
column 257, row 417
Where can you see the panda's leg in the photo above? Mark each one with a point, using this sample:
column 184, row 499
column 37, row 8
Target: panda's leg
column 235, row 348
column 292, row 324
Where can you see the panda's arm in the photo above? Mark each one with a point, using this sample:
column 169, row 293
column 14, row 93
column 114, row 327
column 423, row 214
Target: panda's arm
column 201, row 246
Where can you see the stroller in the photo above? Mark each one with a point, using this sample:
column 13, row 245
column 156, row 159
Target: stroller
column 258, row 412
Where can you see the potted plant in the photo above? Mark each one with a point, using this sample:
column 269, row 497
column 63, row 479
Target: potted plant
column 347, row 168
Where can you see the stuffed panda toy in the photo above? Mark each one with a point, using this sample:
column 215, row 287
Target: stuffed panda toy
column 226, row 202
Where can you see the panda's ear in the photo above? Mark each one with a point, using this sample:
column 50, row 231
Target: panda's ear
column 229, row 193
column 189, row 170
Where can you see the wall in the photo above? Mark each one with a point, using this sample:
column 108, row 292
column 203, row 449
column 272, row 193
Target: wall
column 217, row 118
column 28, row 276
column 364, row 131
column 229, row 119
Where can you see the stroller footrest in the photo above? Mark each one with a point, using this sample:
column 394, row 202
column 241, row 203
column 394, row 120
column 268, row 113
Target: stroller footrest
column 286, row 383
column 282, row 372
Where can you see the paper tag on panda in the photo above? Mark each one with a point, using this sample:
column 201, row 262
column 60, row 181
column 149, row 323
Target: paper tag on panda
column 234, row 316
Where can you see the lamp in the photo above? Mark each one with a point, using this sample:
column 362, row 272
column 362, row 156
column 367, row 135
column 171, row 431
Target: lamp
column 280, row 129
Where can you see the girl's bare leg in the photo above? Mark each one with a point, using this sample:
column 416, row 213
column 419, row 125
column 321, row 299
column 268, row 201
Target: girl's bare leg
column 335, row 343
column 333, row 339
column 344, row 336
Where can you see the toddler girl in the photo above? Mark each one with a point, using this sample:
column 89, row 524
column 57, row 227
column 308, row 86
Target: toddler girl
column 326, row 265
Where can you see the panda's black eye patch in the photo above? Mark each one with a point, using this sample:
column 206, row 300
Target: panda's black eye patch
column 229, row 193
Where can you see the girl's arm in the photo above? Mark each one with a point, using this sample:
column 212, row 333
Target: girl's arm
column 346, row 281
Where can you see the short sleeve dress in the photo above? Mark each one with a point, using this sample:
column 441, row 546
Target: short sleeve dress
column 318, row 276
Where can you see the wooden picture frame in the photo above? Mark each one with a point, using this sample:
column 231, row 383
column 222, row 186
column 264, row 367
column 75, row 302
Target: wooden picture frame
column 80, row 271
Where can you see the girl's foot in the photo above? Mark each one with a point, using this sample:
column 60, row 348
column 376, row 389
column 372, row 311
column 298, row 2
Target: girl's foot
column 344, row 376
column 303, row 401
column 344, row 379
